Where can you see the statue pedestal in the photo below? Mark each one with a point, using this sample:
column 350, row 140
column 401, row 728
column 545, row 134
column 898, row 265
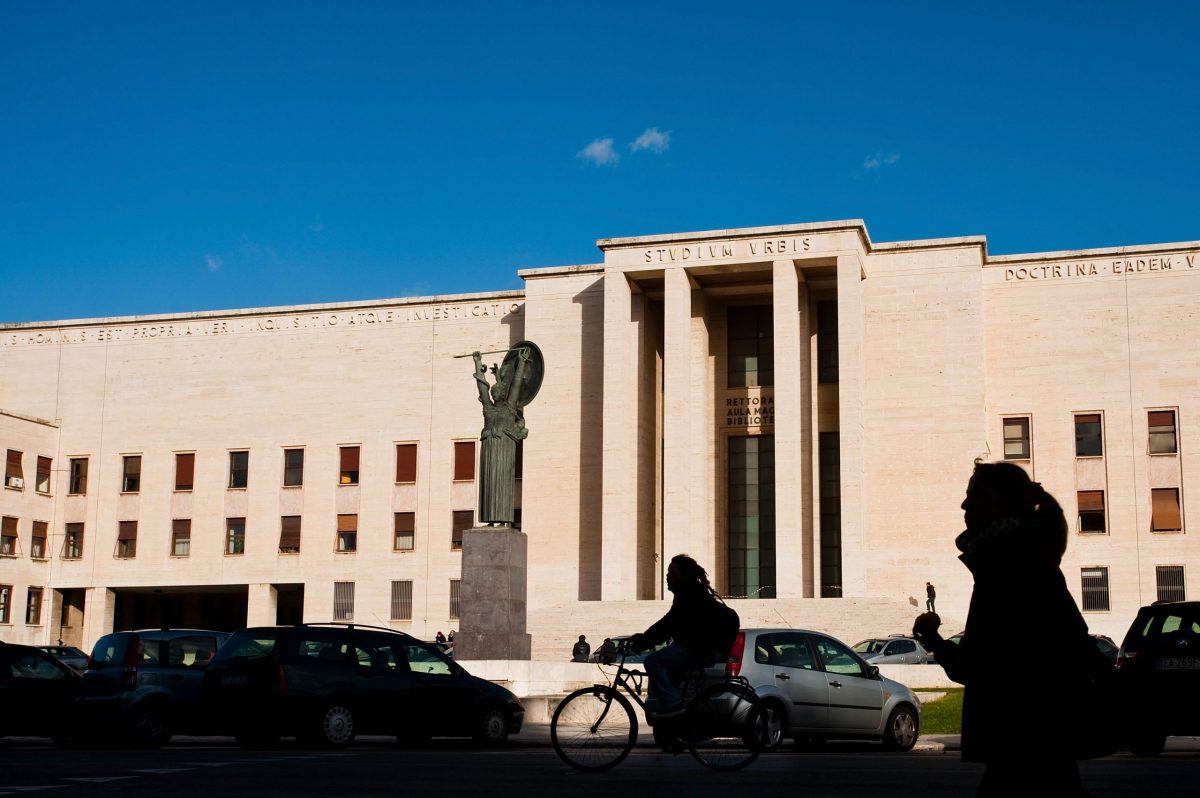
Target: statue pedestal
column 491, row 595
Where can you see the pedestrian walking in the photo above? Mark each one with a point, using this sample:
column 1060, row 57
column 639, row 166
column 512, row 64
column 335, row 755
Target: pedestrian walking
column 930, row 597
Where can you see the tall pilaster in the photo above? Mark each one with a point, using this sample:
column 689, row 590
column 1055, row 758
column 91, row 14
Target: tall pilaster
column 687, row 518
column 851, row 424
column 618, row 531
column 793, row 433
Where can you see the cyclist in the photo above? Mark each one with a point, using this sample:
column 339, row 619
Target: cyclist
column 701, row 627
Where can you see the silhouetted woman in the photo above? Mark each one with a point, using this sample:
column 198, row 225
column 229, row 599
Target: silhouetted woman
column 1025, row 656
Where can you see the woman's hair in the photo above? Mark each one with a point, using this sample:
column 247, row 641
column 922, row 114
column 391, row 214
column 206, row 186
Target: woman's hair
column 692, row 572
column 1023, row 498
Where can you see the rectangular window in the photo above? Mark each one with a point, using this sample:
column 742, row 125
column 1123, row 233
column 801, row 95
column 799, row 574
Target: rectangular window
column 42, row 483
column 8, row 537
column 14, row 476
column 343, row 601
column 829, row 466
column 1091, row 510
column 454, row 599
column 293, row 468
column 5, row 603
column 406, row 462
column 464, row 461
column 37, row 545
column 235, row 535
column 239, row 469
column 1162, row 432
column 131, row 473
column 185, row 470
column 751, row 346
column 462, row 519
column 1089, row 438
column 289, row 534
column 1164, row 510
column 1016, row 438
column 73, row 542
column 405, row 533
column 1095, row 589
column 827, row 342
column 181, row 537
column 79, row 469
column 348, row 471
column 751, row 521
column 1170, row 582
column 127, row 539
column 347, row 532
column 402, row 600
column 33, row 606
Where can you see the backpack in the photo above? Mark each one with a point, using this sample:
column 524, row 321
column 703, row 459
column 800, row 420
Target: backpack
column 725, row 628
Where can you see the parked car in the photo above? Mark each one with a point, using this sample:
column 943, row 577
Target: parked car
column 147, row 685
column 69, row 656
column 815, row 686
column 1159, row 664
column 892, row 650
column 326, row 683
column 38, row 695
column 1106, row 647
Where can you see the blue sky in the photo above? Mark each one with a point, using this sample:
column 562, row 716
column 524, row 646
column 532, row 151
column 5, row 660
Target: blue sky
column 162, row 157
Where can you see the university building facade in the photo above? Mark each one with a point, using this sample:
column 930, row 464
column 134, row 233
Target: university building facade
column 798, row 407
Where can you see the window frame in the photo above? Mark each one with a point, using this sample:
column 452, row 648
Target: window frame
column 48, row 473
column 460, row 446
column 1079, row 419
column 1026, row 439
column 14, row 470
column 1164, row 591
column 411, row 532
column 345, row 600
column 235, row 541
column 6, row 597
column 126, row 540
column 416, row 451
column 1095, row 591
column 285, row 534
column 455, row 608
column 345, row 535
column 1174, row 431
column 243, row 472
column 78, row 477
column 456, row 532
column 185, row 457
column 1091, row 512
column 10, row 536
column 42, row 552
column 349, row 476
column 33, row 610
column 177, row 537
column 131, row 478
column 1178, row 509
column 293, row 468
column 399, row 602
column 73, row 542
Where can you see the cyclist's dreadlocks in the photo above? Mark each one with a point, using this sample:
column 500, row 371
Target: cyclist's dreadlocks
column 693, row 572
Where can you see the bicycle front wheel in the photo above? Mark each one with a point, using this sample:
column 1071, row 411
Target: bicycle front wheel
column 724, row 727
column 593, row 729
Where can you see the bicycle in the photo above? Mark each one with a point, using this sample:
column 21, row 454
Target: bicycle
column 594, row 728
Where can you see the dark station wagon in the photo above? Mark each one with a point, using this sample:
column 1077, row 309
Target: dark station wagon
column 326, row 683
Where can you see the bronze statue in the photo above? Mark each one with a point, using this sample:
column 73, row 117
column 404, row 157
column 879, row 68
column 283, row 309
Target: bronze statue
column 518, row 379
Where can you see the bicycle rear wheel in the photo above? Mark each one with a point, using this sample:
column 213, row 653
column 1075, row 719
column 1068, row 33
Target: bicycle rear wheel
column 724, row 727
column 593, row 729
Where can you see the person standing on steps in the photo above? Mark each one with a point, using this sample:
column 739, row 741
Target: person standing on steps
column 930, row 597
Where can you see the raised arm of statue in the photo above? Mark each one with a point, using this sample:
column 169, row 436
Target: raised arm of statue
column 514, row 389
column 481, row 378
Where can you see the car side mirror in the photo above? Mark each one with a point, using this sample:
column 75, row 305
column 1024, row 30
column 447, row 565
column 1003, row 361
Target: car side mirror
column 873, row 672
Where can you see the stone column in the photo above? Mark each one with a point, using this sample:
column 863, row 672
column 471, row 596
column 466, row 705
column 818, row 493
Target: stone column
column 687, row 418
column 850, row 424
column 492, row 598
column 618, row 531
column 793, row 434
column 261, row 603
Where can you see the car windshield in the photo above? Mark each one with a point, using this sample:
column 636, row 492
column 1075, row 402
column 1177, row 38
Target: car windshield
column 1169, row 623
column 870, row 646
column 250, row 644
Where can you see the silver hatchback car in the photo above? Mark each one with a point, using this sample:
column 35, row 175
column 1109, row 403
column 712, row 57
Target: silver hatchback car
column 893, row 650
column 814, row 685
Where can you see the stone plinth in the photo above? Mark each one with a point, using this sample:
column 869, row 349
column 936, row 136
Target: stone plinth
column 491, row 595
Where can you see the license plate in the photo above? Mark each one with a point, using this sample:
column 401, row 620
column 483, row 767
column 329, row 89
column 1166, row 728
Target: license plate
column 1179, row 663
column 234, row 679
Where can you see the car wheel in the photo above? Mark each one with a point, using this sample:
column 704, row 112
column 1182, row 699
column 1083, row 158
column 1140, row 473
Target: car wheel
column 773, row 719
column 1147, row 743
column 149, row 727
column 335, row 726
column 901, row 731
column 492, row 727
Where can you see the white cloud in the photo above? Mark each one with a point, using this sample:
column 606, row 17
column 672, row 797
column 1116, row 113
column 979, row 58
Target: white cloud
column 879, row 159
column 600, row 152
column 652, row 139
column 213, row 262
